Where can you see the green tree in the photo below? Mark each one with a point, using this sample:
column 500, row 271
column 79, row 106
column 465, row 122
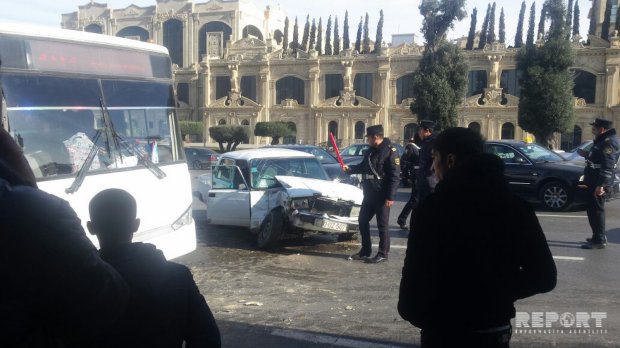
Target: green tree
column 576, row 15
column 295, row 43
column 358, row 37
column 606, row 21
column 617, row 26
column 519, row 34
column 366, row 41
column 275, row 130
column 319, row 37
column 491, row 35
column 502, row 27
column 569, row 18
column 304, row 38
column 541, row 22
column 346, row 44
column 191, row 128
column 312, row 42
column 471, row 36
column 546, row 102
column 336, row 37
column 379, row 36
column 285, row 39
column 441, row 77
column 328, row 37
column 592, row 28
column 529, row 41
column 229, row 134
column 485, row 29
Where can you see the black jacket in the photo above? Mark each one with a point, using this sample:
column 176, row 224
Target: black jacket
column 474, row 248
column 425, row 167
column 165, row 307
column 601, row 161
column 55, row 288
column 385, row 162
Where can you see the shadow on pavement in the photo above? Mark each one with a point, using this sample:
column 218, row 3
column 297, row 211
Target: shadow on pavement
column 565, row 244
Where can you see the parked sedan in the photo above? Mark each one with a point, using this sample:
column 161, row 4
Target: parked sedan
column 352, row 152
column 328, row 161
column 537, row 174
column 573, row 155
column 200, row 158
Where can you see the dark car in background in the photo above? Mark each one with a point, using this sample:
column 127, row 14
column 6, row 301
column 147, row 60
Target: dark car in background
column 537, row 174
column 353, row 153
column 328, row 161
column 200, row 157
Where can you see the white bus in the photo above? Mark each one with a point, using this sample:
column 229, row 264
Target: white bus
column 93, row 112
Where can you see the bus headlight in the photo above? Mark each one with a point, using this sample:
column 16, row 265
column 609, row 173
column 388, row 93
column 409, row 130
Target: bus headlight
column 185, row 219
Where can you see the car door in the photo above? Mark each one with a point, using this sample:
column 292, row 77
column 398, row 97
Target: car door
column 521, row 174
column 228, row 200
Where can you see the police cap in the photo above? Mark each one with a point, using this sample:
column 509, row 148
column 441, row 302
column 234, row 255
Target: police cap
column 600, row 123
column 374, row 130
column 427, row 124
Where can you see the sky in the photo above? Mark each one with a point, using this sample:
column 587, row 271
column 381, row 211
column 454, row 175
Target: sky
column 401, row 16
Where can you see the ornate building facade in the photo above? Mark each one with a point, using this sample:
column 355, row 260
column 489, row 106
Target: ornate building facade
column 230, row 68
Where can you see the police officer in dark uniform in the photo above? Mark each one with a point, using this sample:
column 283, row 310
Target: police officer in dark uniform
column 599, row 175
column 425, row 172
column 410, row 164
column 380, row 171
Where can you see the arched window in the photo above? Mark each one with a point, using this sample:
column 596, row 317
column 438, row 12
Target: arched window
column 94, row 28
column 245, row 123
column 508, row 131
column 253, row 31
column 292, row 139
column 585, row 86
column 477, row 82
column 134, row 32
column 475, row 126
column 363, row 85
column 334, row 83
column 404, row 88
column 359, row 130
column 173, row 40
column 570, row 140
column 212, row 27
column 332, row 127
column 278, row 36
column 221, row 122
column 290, row 87
column 410, row 130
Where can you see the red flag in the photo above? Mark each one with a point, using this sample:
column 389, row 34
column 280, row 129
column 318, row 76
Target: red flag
column 333, row 141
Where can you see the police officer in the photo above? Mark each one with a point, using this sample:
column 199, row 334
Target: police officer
column 599, row 175
column 380, row 171
column 424, row 184
column 410, row 163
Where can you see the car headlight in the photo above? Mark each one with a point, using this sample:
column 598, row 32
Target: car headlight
column 355, row 211
column 582, row 178
column 303, row 203
column 185, row 219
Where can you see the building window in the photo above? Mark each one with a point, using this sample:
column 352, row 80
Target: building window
column 221, row 122
column 585, row 86
column 363, row 85
column 252, row 31
column 290, row 87
column 222, row 86
column 248, row 87
column 212, row 27
column 508, row 131
column 134, row 32
column 183, row 92
column 404, row 88
column 245, row 123
column 509, row 81
column 359, row 130
column 94, row 28
column 333, row 128
column 334, row 83
column 477, row 82
column 475, row 126
column 173, row 40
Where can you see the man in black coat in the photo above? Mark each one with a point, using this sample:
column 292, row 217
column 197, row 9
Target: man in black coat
column 410, row 164
column 474, row 249
column 424, row 180
column 380, row 171
column 165, row 307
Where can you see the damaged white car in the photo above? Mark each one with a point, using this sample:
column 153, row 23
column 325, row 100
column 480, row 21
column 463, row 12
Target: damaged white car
column 274, row 192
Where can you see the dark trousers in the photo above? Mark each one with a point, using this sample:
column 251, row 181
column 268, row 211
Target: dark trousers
column 370, row 208
column 596, row 215
column 402, row 217
column 453, row 339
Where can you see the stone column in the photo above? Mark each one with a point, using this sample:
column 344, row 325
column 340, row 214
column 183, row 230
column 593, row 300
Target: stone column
column 195, row 38
column 612, row 80
column 314, row 87
column 185, row 42
column 318, row 125
column 384, row 100
column 206, row 84
column 270, row 97
column 601, row 81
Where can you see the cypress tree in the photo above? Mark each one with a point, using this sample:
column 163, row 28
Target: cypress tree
column 379, row 36
column 304, row 38
column 346, row 44
column 295, row 43
column 319, row 37
column 617, row 27
column 336, row 37
column 606, row 21
column 519, row 34
column 285, row 36
column 485, row 28
column 312, row 41
column 569, row 18
column 529, row 41
column 358, row 37
column 328, row 37
column 472, row 30
column 541, row 22
column 502, row 27
column 576, row 15
column 491, row 35
column 366, row 42
column 592, row 28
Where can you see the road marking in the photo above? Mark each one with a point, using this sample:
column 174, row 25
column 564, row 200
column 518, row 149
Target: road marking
column 332, row 340
column 566, row 258
column 563, row 216
column 398, row 247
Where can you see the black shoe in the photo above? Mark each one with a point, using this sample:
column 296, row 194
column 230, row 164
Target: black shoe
column 591, row 245
column 358, row 256
column 591, row 240
column 377, row 259
column 403, row 226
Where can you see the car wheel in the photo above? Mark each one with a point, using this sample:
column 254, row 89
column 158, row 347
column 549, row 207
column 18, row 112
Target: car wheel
column 345, row 237
column 270, row 230
column 197, row 164
column 555, row 196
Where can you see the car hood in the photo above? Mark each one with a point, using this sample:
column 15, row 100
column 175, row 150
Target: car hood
column 305, row 187
column 571, row 166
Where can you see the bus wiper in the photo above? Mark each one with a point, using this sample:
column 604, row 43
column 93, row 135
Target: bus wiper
column 79, row 178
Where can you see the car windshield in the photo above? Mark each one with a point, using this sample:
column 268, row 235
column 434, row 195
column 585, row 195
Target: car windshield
column 263, row 171
column 354, row 150
column 537, row 153
column 586, row 146
column 323, row 156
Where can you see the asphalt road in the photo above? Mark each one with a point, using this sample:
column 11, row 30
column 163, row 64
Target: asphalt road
column 305, row 294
